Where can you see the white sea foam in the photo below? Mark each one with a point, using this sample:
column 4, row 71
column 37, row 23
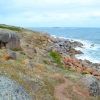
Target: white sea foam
column 88, row 45
column 59, row 37
column 86, row 57
column 89, row 51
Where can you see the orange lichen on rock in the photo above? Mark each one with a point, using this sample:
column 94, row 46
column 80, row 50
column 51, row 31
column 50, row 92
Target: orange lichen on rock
column 39, row 66
column 68, row 58
column 27, row 62
column 24, row 61
column 5, row 56
column 79, row 69
column 87, row 85
column 38, row 70
column 8, row 54
column 80, row 91
column 75, row 60
column 78, row 65
column 84, row 93
column 90, row 70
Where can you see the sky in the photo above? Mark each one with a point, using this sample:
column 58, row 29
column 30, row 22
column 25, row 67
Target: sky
column 50, row 13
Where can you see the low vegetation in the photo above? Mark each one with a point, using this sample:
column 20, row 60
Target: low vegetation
column 10, row 28
column 13, row 49
column 56, row 58
column 84, row 73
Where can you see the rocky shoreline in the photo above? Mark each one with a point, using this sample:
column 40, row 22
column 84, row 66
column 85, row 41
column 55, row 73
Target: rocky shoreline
column 66, row 48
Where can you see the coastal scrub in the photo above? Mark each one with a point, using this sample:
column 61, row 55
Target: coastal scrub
column 10, row 28
column 56, row 58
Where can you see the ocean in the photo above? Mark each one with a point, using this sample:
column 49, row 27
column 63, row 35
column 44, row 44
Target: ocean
column 87, row 36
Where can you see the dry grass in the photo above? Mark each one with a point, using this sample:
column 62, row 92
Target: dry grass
column 26, row 77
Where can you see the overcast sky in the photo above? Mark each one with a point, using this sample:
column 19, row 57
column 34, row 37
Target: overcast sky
column 50, row 13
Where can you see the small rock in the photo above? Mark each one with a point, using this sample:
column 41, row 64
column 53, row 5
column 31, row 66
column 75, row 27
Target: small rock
column 92, row 45
column 67, row 58
column 90, row 70
column 75, row 60
column 49, row 48
column 79, row 69
column 95, row 73
column 27, row 62
column 8, row 54
column 53, row 39
column 78, row 65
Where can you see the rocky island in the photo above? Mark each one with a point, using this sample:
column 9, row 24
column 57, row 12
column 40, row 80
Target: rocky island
column 37, row 66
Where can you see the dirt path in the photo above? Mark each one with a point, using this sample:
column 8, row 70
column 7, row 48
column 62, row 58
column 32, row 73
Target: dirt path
column 59, row 89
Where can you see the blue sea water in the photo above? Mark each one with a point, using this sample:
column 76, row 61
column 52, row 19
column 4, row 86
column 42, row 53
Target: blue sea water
column 87, row 36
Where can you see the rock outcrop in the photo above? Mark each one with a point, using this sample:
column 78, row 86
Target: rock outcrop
column 88, row 86
column 64, row 46
column 10, row 90
column 73, row 63
column 9, row 39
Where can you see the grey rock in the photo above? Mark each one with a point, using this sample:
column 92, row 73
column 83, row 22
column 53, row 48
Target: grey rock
column 11, row 54
column 63, row 40
column 14, row 41
column 90, row 85
column 49, row 48
column 61, row 43
column 29, row 62
column 44, row 33
column 4, row 36
column 65, row 46
column 76, row 43
column 10, row 90
column 9, row 38
column 33, row 50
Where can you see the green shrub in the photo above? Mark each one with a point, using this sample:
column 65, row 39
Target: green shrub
column 20, row 60
column 10, row 28
column 56, row 58
column 71, row 70
column 83, row 73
